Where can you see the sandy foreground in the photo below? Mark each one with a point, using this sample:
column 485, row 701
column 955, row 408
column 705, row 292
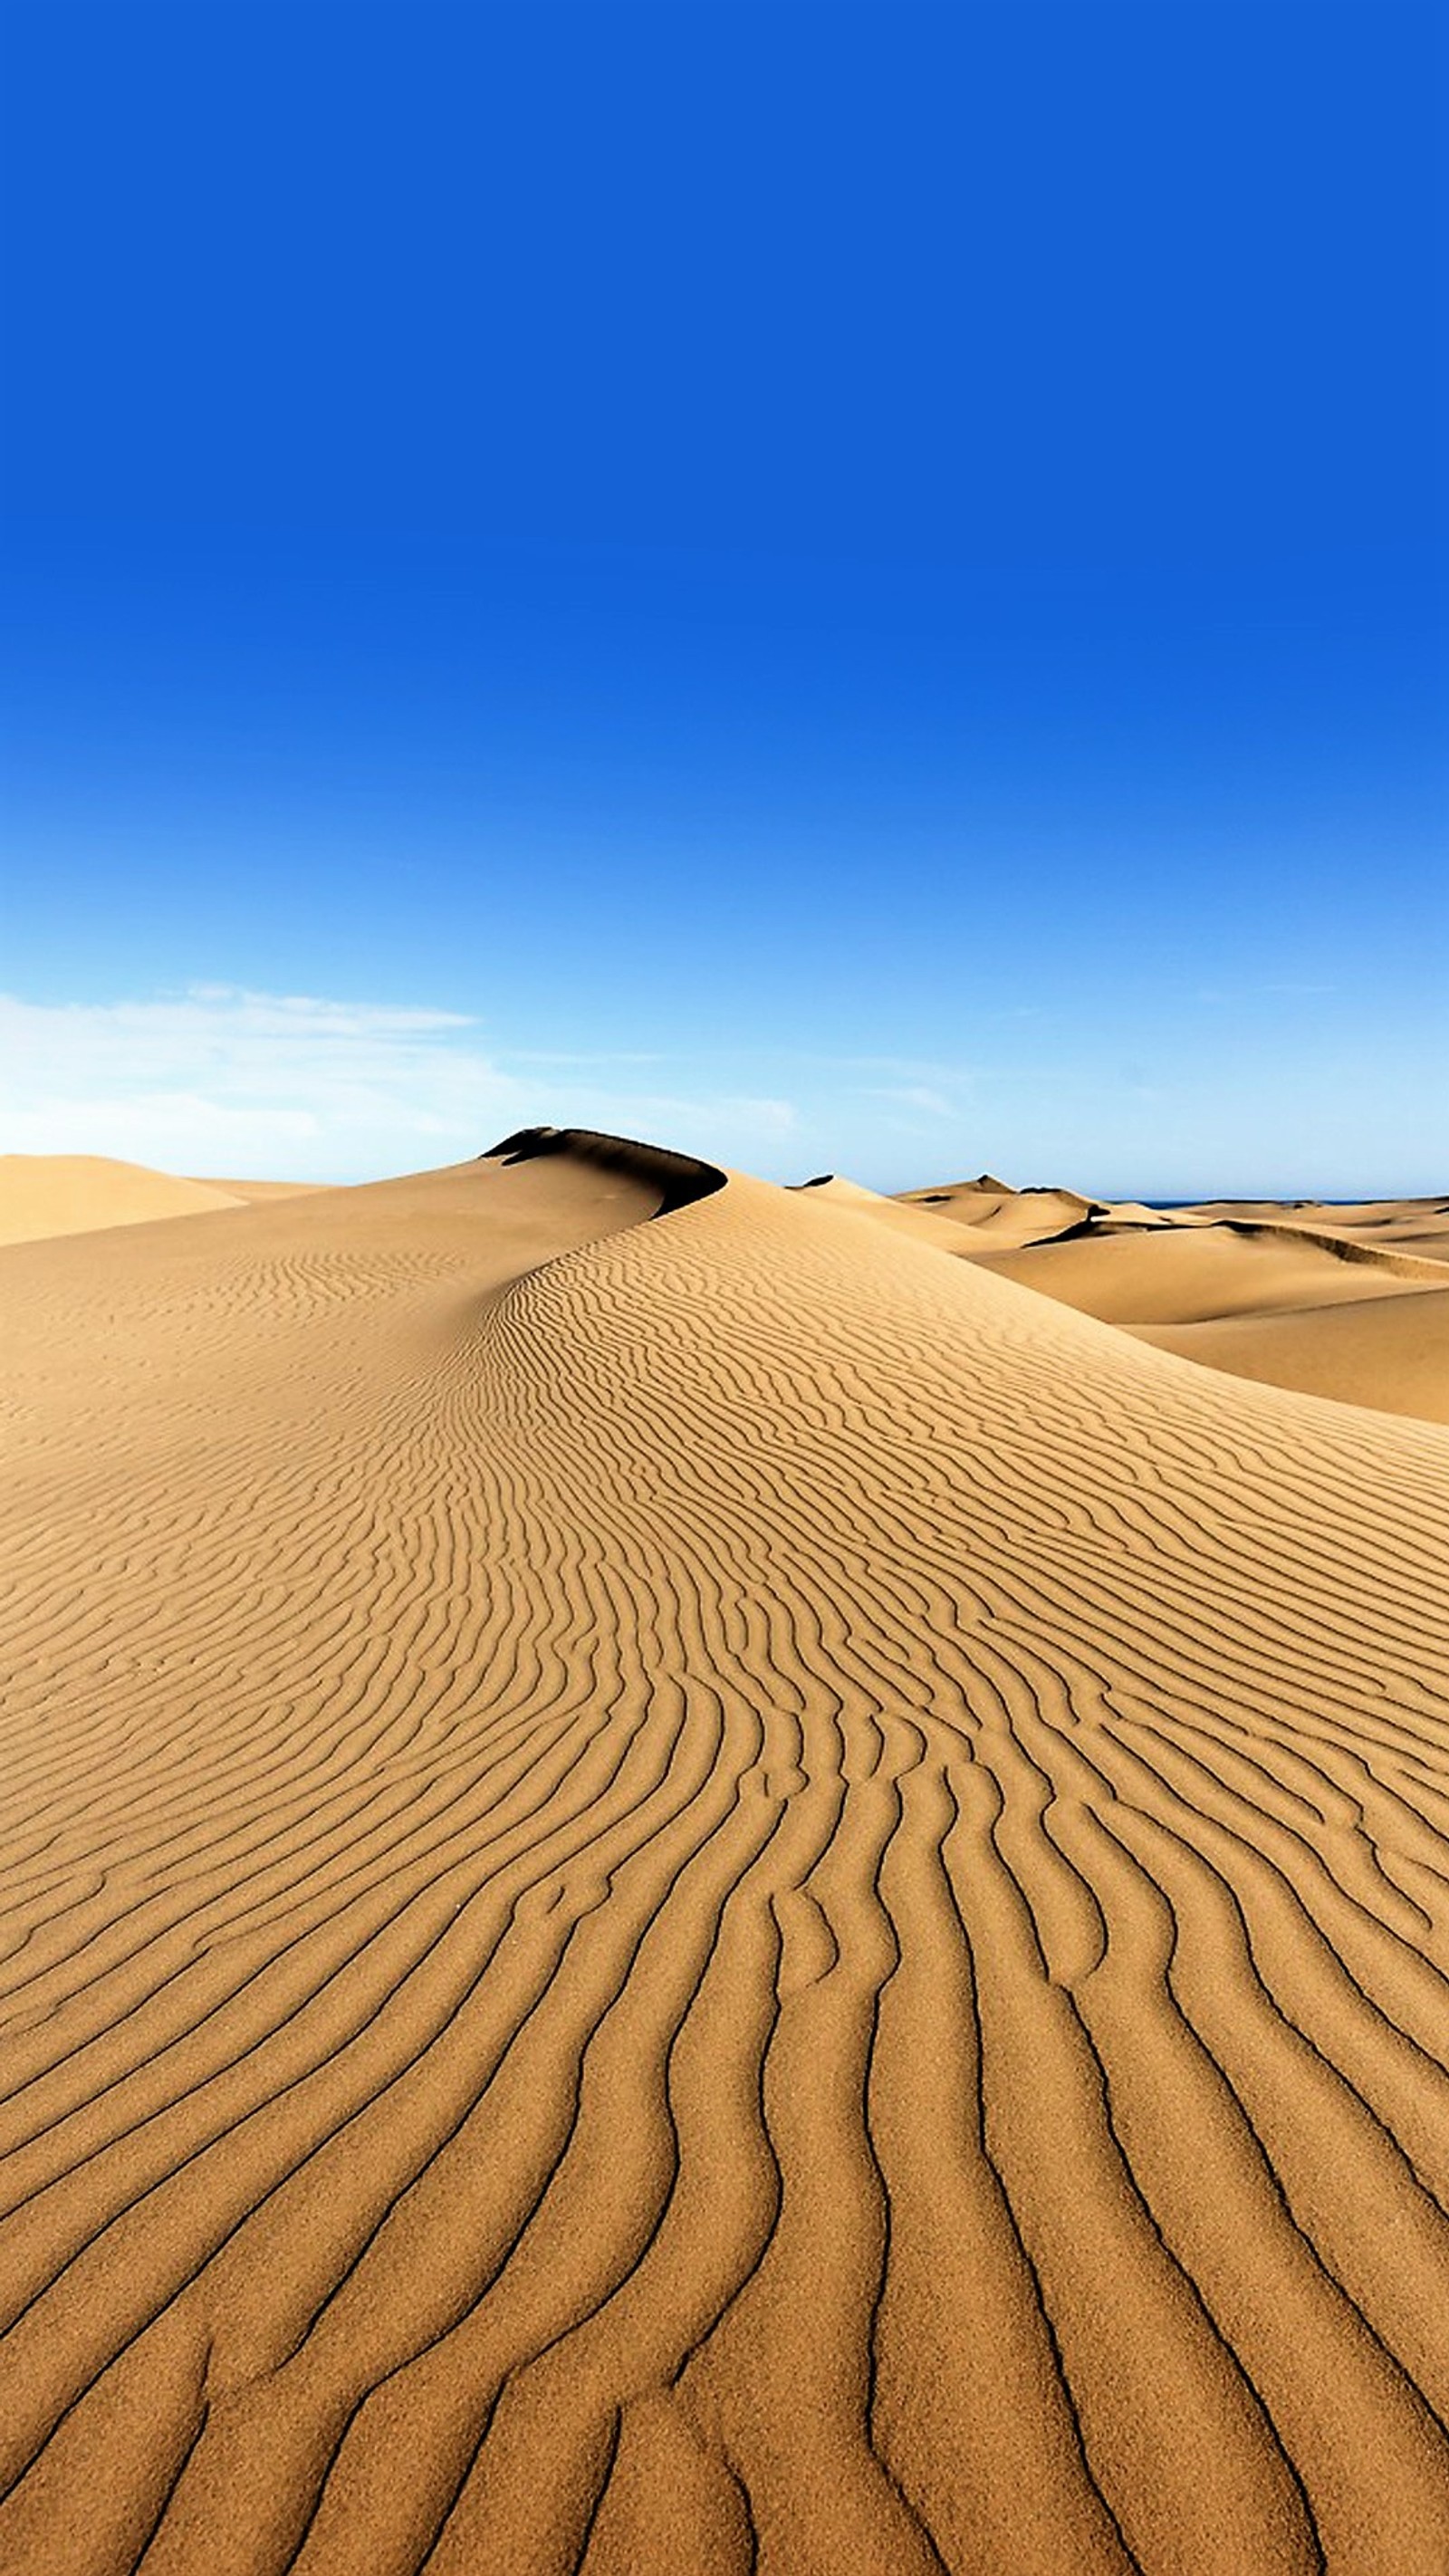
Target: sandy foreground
column 692, row 1883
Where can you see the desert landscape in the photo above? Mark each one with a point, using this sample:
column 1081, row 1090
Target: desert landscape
column 703, row 1876
column 724, row 1289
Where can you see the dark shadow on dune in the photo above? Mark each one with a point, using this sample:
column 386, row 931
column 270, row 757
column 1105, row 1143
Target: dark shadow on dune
column 1086, row 1227
column 679, row 1178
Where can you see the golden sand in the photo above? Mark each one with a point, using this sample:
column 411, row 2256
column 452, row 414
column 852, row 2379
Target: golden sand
column 717, row 1893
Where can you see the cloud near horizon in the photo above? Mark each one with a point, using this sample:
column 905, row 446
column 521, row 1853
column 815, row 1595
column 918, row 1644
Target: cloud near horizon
column 220, row 1080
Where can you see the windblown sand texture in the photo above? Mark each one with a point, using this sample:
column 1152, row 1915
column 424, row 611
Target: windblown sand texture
column 705, row 1891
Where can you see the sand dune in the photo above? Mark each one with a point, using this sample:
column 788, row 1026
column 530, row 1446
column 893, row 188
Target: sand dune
column 1356, row 1316
column 1255, row 1288
column 1001, row 1218
column 1390, row 1352
column 260, row 1192
column 1197, row 1275
column 922, row 1223
column 1402, row 1225
column 49, row 1194
column 42, row 1195
column 704, row 1891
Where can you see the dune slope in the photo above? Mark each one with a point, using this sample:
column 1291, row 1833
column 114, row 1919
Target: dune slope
column 710, row 1893
column 1195, row 1274
column 1413, row 1226
column 1390, row 1352
column 1356, row 1315
column 48, row 1194
column 996, row 1217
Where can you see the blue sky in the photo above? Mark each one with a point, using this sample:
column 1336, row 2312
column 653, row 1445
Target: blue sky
column 855, row 587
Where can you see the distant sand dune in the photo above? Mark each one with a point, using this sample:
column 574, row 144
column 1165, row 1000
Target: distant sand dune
column 260, row 1192
column 43, row 1195
column 50, row 1194
column 1356, row 1315
column 1001, row 1218
column 706, row 1894
column 1406, row 1225
column 1189, row 1275
column 1392, row 1352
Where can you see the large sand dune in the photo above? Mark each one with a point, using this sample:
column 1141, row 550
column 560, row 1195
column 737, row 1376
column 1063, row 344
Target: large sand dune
column 710, row 1893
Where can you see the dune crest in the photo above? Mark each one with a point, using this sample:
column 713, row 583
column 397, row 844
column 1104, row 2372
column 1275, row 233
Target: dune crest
column 706, row 1894
column 678, row 1179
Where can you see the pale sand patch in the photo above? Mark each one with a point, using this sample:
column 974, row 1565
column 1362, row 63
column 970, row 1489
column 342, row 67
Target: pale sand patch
column 50, row 1194
column 1392, row 1352
column 257, row 1193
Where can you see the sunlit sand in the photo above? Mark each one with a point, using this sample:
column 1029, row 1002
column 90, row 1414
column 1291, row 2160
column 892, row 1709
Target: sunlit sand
column 703, row 1877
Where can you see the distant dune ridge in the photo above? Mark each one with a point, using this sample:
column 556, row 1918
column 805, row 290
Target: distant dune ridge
column 1258, row 1289
column 694, row 1883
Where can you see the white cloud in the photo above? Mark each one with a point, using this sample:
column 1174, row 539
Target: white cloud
column 220, row 1080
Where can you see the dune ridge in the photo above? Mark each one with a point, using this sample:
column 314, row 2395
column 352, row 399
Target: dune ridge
column 679, row 1179
column 1382, row 1257
column 1403, row 1222
column 708, row 1893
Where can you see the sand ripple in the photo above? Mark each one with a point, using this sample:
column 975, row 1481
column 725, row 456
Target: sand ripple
column 753, row 1902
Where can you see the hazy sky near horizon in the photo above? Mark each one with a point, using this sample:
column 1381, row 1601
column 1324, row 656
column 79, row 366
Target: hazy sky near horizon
column 855, row 587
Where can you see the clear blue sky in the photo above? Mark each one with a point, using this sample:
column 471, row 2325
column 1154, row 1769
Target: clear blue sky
column 857, row 586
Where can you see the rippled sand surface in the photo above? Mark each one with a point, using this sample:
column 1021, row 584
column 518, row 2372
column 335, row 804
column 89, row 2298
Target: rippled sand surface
column 705, row 1890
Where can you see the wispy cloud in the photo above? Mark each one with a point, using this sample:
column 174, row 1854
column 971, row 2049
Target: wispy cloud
column 570, row 1056
column 219, row 1079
